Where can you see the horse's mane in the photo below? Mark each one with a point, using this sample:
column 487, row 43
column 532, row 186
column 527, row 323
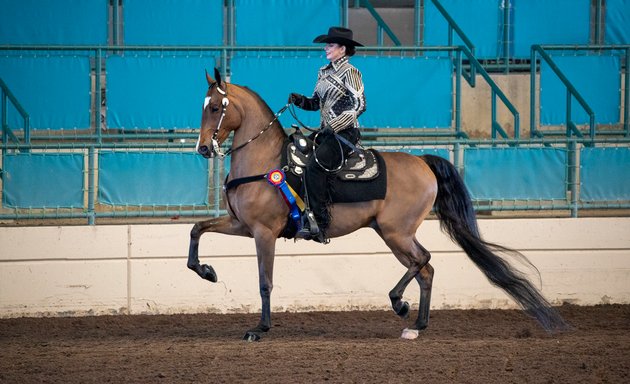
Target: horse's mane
column 262, row 103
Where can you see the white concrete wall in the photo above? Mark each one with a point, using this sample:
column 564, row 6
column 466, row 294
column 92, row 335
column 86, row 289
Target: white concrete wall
column 142, row 269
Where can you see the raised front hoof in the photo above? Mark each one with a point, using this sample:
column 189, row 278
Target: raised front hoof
column 251, row 336
column 208, row 273
column 403, row 311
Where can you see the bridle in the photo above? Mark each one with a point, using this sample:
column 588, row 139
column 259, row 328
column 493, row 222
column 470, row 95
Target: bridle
column 216, row 149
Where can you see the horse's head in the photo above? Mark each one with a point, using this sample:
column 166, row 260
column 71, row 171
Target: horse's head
column 219, row 117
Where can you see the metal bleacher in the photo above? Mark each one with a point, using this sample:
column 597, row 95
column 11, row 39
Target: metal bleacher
column 101, row 98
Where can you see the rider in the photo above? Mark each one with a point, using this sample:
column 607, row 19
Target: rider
column 339, row 96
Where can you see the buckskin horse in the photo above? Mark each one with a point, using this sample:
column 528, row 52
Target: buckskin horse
column 415, row 184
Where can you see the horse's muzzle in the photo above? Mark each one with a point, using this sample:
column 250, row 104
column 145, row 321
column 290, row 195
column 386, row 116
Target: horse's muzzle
column 205, row 151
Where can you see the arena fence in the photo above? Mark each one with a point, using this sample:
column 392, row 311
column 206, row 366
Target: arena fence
column 171, row 181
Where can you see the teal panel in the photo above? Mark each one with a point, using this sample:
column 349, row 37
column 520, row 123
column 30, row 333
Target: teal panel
column 515, row 173
column 550, row 22
column 605, row 174
column 54, row 90
column 407, row 92
column 43, row 180
column 68, row 22
column 156, row 92
column 479, row 19
column 173, row 22
column 153, row 178
column 597, row 78
column 284, row 22
column 275, row 77
column 617, row 22
column 422, row 96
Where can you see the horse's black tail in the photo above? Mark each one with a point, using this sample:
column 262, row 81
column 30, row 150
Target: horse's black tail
column 454, row 208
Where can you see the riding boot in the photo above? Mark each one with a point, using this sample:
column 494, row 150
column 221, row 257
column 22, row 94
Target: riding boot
column 316, row 217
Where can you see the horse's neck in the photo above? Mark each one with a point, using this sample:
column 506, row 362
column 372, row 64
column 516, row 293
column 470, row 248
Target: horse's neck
column 261, row 154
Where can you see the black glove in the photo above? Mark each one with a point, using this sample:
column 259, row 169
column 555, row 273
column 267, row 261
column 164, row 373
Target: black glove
column 297, row 99
column 327, row 130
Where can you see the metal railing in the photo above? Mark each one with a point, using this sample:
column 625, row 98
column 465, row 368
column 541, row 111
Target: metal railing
column 381, row 25
column 225, row 53
column 571, row 91
column 94, row 211
column 7, row 133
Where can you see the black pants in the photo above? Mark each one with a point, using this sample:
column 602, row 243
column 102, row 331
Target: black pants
column 328, row 155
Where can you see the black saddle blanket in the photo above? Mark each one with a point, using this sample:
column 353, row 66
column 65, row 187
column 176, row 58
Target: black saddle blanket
column 361, row 179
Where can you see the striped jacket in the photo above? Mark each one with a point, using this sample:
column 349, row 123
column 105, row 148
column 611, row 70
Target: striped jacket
column 339, row 95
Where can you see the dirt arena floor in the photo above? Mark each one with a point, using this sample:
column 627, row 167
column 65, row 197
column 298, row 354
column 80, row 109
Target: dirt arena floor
column 473, row 346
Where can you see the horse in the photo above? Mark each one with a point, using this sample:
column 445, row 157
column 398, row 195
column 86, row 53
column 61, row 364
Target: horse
column 415, row 186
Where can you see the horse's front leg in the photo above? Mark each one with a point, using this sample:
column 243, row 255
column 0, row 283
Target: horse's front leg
column 223, row 224
column 265, row 252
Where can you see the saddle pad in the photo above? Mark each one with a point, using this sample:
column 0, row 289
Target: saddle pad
column 352, row 191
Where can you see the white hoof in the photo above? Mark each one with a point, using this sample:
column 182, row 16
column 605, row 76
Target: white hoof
column 409, row 334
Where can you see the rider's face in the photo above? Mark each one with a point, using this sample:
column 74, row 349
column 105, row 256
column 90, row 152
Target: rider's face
column 334, row 51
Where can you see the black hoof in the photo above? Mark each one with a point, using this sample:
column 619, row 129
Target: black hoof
column 403, row 311
column 208, row 273
column 251, row 337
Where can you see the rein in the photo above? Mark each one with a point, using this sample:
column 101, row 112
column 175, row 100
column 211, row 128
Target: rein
column 224, row 103
column 275, row 118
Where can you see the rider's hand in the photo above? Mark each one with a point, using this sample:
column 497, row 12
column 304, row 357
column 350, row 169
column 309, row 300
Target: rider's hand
column 327, row 130
column 296, row 98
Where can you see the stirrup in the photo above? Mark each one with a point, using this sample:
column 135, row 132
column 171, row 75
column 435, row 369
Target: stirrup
column 309, row 229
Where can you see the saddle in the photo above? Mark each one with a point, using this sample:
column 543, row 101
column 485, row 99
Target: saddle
column 362, row 177
column 360, row 165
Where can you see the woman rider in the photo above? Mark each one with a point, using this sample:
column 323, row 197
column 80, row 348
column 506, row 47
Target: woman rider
column 339, row 96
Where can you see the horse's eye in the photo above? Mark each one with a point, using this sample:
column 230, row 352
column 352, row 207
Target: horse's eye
column 215, row 109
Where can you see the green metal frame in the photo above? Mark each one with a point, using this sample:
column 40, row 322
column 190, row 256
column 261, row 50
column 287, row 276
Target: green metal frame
column 496, row 92
column 457, row 146
column 7, row 132
column 226, row 52
column 453, row 26
column 572, row 92
column 381, row 25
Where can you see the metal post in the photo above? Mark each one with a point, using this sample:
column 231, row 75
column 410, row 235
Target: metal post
column 573, row 176
column 568, row 113
column 91, row 187
column 532, row 94
column 344, row 11
column 458, row 93
column 115, row 21
column 598, row 22
column 507, row 12
column 5, row 125
column 626, row 113
column 416, row 23
column 97, row 87
column 493, row 114
column 230, row 23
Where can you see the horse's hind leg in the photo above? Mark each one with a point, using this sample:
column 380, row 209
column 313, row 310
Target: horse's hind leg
column 416, row 258
column 425, row 280
column 395, row 295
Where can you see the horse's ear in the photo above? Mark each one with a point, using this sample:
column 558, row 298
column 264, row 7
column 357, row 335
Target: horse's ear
column 217, row 75
column 209, row 79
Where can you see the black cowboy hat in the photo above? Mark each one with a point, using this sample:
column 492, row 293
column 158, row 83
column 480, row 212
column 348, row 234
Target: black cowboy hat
column 339, row 35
